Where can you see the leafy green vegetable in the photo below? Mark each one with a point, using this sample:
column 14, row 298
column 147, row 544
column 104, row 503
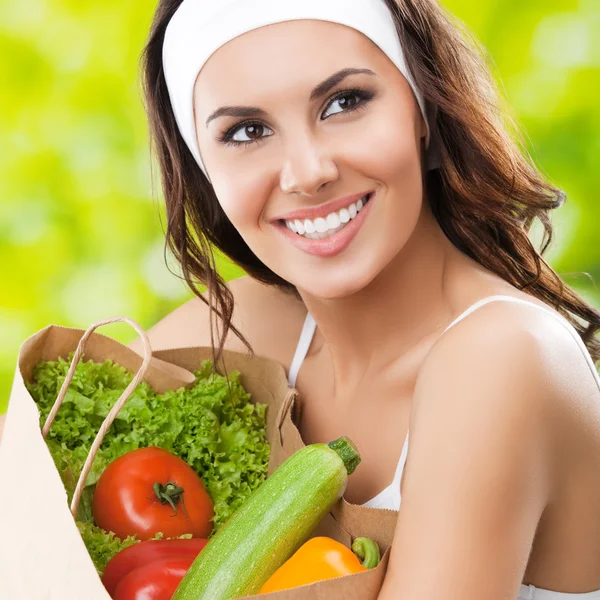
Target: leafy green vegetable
column 69, row 469
column 213, row 426
column 102, row 546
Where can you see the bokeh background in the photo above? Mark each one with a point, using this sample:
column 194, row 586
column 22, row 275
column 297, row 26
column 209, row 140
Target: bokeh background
column 81, row 219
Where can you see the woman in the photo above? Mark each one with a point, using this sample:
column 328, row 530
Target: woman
column 351, row 157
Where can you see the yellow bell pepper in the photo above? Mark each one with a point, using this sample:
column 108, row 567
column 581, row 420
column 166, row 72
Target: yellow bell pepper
column 322, row 558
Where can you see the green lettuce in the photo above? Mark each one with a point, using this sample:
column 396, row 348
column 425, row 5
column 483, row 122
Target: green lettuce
column 213, row 426
column 102, row 546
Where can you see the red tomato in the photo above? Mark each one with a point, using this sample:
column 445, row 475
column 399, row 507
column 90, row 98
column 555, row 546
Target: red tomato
column 150, row 490
column 146, row 552
column 157, row 580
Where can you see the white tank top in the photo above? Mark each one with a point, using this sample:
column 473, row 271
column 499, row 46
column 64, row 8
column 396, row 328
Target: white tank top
column 390, row 497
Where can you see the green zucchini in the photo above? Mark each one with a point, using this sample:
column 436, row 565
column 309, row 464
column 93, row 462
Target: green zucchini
column 275, row 520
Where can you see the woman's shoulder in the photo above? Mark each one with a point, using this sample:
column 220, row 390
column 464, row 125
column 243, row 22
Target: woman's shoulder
column 269, row 318
column 527, row 352
column 527, row 327
column 515, row 376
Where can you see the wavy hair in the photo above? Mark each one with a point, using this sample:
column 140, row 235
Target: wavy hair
column 485, row 196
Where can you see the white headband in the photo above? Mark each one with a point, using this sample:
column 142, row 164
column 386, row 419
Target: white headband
column 199, row 27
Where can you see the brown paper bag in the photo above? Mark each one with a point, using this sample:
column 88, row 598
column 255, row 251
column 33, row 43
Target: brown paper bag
column 360, row 521
column 42, row 555
column 344, row 523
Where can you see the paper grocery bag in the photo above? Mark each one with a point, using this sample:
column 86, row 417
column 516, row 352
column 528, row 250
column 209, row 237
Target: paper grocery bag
column 345, row 523
column 42, row 555
column 41, row 552
column 360, row 521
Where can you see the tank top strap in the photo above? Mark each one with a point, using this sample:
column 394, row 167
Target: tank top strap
column 479, row 304
column 400, row 469
column 574, row 333
column 308, row 330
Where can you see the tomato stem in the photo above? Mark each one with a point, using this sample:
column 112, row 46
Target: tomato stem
column 170, row 493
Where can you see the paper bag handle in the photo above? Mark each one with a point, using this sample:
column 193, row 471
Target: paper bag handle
column 87, row 466
column 286, row 405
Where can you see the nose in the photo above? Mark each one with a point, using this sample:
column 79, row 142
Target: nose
column 307, row 167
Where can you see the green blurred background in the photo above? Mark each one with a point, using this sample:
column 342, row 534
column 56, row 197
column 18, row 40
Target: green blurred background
column 81, row 229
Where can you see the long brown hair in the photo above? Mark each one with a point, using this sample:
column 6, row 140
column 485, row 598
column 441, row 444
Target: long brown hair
column 486, row 195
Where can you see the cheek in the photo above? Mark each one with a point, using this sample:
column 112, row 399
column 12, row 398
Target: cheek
column 383, row 147
column 241, row 198
column 395, row 162
column 393, row 155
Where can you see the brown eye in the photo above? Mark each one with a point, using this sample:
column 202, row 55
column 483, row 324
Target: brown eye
column 347, row 101
column 254, row 131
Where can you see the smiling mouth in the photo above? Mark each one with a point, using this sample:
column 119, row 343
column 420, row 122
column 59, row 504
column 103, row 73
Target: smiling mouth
column 324, row 227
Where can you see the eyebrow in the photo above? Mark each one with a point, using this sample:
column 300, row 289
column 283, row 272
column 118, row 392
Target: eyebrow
column 321, row 90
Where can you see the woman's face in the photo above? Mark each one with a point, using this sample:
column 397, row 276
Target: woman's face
column 305, row 150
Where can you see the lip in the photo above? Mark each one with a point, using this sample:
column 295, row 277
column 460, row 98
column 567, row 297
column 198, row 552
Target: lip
column 321, row 211
column 334, row 244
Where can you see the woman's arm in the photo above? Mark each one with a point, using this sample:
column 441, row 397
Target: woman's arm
column 188, row 325
column 479, row 468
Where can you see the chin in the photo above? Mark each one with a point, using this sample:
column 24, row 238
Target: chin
column 344, row 282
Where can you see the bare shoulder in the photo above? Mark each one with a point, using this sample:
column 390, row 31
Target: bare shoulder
column 508, row 363
column 499, row 341
column 530, row 340
column 269, row 318
column 492, row 376
column 481, row 457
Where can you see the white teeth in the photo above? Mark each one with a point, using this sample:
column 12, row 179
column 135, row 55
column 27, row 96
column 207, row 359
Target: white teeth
column 321, row 225
column 344, row 215
column 324, row 227
column 309, row 226
column 320, row 236
column 333, row 221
